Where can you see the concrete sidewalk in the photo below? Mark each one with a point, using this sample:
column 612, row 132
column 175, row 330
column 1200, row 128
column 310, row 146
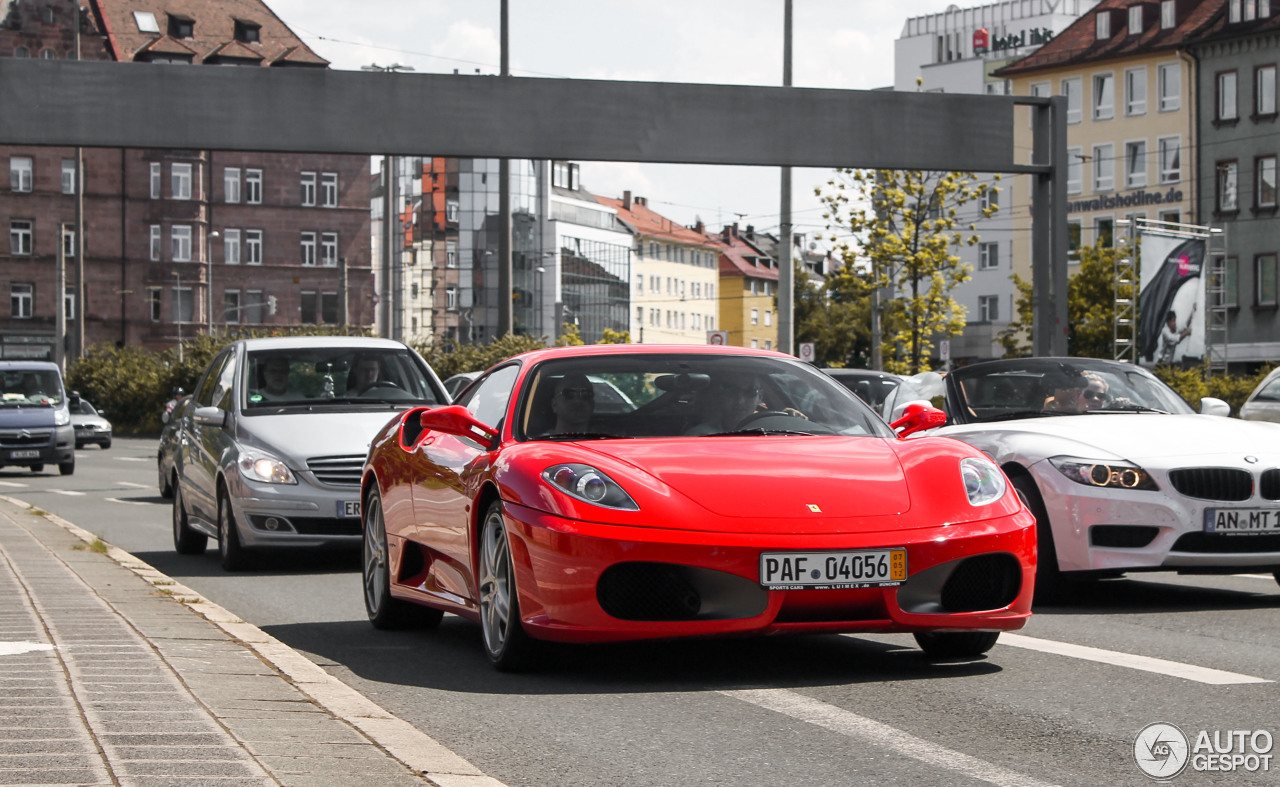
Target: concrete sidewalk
column 113, row 674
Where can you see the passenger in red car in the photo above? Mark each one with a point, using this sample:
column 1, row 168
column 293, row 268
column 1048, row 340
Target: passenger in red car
column 573, row 403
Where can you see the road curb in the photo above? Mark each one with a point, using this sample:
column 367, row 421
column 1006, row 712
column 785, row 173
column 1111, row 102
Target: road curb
column 410, row 746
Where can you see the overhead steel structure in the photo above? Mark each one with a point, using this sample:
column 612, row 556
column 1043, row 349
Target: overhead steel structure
column 137, row 105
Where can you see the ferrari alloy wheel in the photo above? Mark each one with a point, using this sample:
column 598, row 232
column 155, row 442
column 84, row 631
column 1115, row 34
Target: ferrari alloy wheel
column 956, row 644
column 230, row 552
column 386, row 612
column 1051, row 586
column 186, row 541
column 505, row 640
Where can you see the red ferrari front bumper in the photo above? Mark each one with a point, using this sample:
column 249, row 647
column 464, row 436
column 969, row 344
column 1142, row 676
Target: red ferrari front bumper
column 586, row 582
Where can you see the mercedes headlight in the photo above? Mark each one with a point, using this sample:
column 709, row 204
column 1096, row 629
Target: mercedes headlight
column 983, row 481
column 1112, row 474
column 264, row 467
column 585, row 483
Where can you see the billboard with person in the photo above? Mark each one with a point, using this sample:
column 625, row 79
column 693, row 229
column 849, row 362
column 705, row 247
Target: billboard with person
column 1171, row 299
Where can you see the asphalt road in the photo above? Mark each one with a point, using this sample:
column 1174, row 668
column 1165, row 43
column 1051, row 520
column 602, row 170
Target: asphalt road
column 1060, row 702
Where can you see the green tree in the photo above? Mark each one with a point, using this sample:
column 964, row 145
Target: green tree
column 840, row 329
column 905, row 228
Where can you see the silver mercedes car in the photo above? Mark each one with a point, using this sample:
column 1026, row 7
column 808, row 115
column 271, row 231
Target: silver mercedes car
column 271, row 447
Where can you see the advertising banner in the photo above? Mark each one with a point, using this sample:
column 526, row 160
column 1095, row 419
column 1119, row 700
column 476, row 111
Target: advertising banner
column 1171, row 300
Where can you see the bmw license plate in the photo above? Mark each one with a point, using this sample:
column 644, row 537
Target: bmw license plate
column 1242, row 520
column 833, row 570
column 30, row 453
column 348, row 509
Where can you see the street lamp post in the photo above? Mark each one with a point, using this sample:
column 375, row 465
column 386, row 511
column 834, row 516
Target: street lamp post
column 177, row 311
column 208, row 279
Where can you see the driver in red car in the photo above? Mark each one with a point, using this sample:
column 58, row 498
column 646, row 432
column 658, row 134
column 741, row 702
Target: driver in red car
column 573, row 404
column 731, row 397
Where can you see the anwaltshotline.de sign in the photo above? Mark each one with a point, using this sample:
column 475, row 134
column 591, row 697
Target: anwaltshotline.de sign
column 1133, row 200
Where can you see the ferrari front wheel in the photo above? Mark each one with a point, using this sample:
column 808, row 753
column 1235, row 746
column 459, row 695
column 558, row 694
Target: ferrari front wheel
column 505, row 642
column 386, row 612
column 956, row 644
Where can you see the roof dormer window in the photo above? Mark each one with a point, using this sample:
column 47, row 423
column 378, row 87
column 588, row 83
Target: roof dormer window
column 1135, row 19
column 248, row 32
column 181, row 26
column 1168, row 14
column 1102, row 21
column 1247, row 10
column 146, row 22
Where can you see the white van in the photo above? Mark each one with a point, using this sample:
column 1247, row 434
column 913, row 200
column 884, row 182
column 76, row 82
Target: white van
column 35, row 419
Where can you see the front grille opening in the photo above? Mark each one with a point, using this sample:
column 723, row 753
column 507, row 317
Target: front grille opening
column 1122, row 536
column 1213, row 483
column 337, row 470
column 1269, row 487
column 666, row 591
column 982, row 582
column 1223, row 544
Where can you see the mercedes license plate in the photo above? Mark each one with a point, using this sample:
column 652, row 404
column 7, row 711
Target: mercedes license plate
column 833, row 570
column 348, row 509
column 29, row 453
column 1242, row 520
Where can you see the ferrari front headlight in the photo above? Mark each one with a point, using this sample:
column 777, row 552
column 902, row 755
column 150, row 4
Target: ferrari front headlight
column 262, row 466
column 585, row 483
column 983, row 482
column 1112, row 474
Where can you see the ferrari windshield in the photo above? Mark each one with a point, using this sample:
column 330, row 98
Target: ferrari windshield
column 27, row 387
column 284, row 377
column 1031, row 387
column 670, row 394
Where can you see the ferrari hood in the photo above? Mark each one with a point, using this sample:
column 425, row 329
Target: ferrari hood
column 778, row 477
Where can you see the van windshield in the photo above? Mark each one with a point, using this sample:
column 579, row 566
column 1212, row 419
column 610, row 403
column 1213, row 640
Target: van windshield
column 27, row 387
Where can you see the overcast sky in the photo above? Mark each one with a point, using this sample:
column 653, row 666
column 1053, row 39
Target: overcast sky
column 835, row 44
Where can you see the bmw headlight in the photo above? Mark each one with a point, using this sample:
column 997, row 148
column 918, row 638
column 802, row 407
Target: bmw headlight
column 983, row 481
column 261, row 466
column 585, row 483
column 61, row 417
column 1113, row 474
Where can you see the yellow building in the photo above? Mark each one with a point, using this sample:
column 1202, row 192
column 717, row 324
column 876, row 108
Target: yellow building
column 748, row 285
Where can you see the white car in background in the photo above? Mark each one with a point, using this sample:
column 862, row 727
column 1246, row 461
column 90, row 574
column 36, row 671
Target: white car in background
column 1131, row 479
column 1264, row 403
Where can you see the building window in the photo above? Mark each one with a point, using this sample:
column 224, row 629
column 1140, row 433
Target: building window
column 1231, row 285
column 248, row 32
column 1265, row 279
column 564, row 175
column 451, row 211
column 1171, row 216
column 1228, row 178
column 755, row 316
column 329, row 189
column 21, row 237
column 153, row 304
column 231, row 306
column 309, row 249
column 1264, row 173
column 308, row 189
column 329, row 308
column 253, row 186
column 1168, row 14
column 1104, row 167
column 20, row 173
column 990, row 198
column 21, row 51
column 230, row 246
column 1170, row 152
column 180, row 242
column 1135, row 91
column 68, row 176
column 1247, row 10
column 21, row 301
column 451, row 298
column 988, row 308
column 307, row 309
column 768, row 318
column 1106, row 233
column 253, row 303
column 1135, row 20
column 231, row 184
column 1102, row 25
column 69, row 303
column 988, row 256
column 1135, row 164
column 1073, row 240
column 68, row 242
column 182, row 304
column 1075, row 170
column 156, row 243
column 1169, row 79
column 156, row 179
column 329, row 250
column 1264, row 91
column 1226, row 102
column 180, row 181
column 1104, row 97
column 253, row 247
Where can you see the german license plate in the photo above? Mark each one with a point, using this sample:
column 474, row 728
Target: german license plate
column 30, row 453
column 1242, row 520
column 348, row 509
column 833, row 570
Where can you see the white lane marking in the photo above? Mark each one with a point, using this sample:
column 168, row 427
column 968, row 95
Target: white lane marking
column 69, row 492
column 131, row 459
column 131, row 484
column 1267, row 577
column 14, row 484
column 850, row 724
column 127, row 502
column 18, row 648
column 1174, row 669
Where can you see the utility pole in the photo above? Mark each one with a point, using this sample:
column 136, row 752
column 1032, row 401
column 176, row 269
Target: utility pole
column 82, row 310
column 388, row 294
column 60, row 312
column 786, row 269
column 506, row 322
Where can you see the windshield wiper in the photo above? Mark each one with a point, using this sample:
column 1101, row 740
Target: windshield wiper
column 1018, row 414
column 1131, row 408
column 759, row 431
column 572, row 436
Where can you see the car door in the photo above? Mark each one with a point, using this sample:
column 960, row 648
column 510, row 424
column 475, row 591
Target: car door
column 210, row 442
column 444, row 482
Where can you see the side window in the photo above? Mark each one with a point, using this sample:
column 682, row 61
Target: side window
column 488, row 400
column 204, row 391
column 224, row 392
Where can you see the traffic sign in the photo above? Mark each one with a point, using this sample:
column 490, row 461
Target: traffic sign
column 718, row 337
column 806, row 352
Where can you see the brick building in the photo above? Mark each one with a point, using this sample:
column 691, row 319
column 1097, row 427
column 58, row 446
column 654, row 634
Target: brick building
column 175, row 241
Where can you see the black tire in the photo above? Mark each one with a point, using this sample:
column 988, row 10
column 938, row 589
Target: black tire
column 79, row 446
column 106, row 444
column 1051, row 585
column 1277, row 576
column 508, row 646
column 67, row 468
column 37, row 468
column 956, row 644
column 386, row 612
column 186, row 541
column 165, row 484
column 230, row 554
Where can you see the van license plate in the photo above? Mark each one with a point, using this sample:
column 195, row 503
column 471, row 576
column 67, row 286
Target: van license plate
column 31, row 453
column 348, row 509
